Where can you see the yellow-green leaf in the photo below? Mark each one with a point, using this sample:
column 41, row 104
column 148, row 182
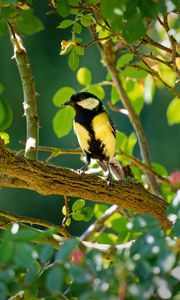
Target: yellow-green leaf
column 84, row 76
column 63, row 95
column 5, row 137
column 73, row 60
column 62, row 121
column 173, row 112
column 97, row 90
column 124, row 59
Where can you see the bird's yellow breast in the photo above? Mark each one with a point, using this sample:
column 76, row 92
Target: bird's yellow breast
column 103, row 132
column 82, row 136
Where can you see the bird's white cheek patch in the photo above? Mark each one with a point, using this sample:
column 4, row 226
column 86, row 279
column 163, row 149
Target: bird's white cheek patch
column 89, row 103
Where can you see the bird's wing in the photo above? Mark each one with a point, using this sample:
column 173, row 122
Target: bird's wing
column 113, row 128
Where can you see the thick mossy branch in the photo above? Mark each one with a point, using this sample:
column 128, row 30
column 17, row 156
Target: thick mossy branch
column 18, row 172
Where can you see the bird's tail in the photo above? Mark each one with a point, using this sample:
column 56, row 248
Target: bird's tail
column 114, row 166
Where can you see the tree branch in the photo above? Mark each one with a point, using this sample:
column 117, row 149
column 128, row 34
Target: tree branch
column 50, row 180
column 109, row 58
column 99, row 223
column 8, row 217
column 151, row 42
column 28, row 85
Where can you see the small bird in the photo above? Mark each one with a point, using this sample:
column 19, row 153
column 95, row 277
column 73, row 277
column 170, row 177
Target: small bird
column 95, row 132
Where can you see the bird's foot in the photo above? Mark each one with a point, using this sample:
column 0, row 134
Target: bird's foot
column 109, row 180
column 82, row 170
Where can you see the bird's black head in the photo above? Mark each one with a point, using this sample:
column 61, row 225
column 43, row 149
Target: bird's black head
column 84, row 100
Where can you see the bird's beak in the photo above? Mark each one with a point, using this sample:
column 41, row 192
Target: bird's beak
column 68, row 103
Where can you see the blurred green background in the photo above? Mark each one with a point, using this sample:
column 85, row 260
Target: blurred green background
column 50, row 71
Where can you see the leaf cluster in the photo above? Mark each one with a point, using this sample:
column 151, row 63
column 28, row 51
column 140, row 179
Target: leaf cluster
column 147, row 270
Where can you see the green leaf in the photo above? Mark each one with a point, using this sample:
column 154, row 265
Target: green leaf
column 5, row 137
column 26, row 235
column 45, row 253
column 73, row 60
column 79, row 275
column 85, row 21
column 6, row 252
column 150, row 244
column 79, row 50
column 77, row 28
column 166, row 260
column 28, row 23
column 55, row 279
column 97, row 90
column 167, row 74
column 84, row 76
column 65, row 24
column 119, row 224
column 114, row 95
column 65, row 210
column 99, row 209
column 6, row 114
column 8, row 12
column 23, row 255
column 131, row 142
column 78, row 204
column 142, row 223
column 134, row 73
column 148, row 8
column 62, row 121
column 121, row 140
column 109, row 8
column 176, row 228
column 149, row 89
column 8, row 2
column 65, row 250
column 135, row 28
column 87, row 213
column 173, row 112
column 63, row 8
column 3, row 27
column 77, row 215
column 160, row 169
column 124, row 59
column 106, row 238
column 63, row 95
column 135, row 94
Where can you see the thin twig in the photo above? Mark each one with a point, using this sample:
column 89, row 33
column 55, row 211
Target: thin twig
column 97, row 225
column 67, row 212
column 153, row 72
column 28, row 85
column 32, row 221
column 172, row 42
column 88, row 8
column 151, row 42
column 106, row 247
column 135, row 161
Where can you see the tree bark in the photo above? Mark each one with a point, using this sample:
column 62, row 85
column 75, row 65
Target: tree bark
column 19, row 172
